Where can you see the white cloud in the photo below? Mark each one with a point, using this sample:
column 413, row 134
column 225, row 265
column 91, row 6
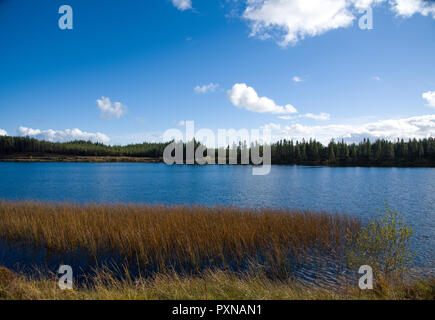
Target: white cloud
column 430, row 97
column 211, row 87
column 182, row 4
column 415, row 127
column 110, row 109
column 181, row 123
column 377, row 78
column 286, row 117
column 62, row 135
column 297, row 79
column 407, row 8
column 289, row 21
column 3, row 132
column 245, row 97
column 295, row 19
column 322, row 116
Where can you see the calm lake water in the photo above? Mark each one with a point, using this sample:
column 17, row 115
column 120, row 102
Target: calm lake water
column 355, row 191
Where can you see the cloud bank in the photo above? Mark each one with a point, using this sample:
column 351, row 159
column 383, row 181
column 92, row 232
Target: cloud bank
column 110, row 109
column 293, row 20
column 62, row 135
column 182, row 4
column 415, row 127
column 247, row 98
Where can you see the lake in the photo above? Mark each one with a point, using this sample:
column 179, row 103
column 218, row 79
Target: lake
column 354, row 190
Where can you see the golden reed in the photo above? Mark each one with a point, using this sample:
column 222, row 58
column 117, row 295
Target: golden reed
column 173, row 236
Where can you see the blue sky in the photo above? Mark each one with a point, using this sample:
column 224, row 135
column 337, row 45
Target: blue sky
column 302, row 68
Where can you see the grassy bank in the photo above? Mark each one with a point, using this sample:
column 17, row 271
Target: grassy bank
column 198, row 252
column 210, row 285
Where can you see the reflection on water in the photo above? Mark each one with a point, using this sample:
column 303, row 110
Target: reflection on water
column 317, row 267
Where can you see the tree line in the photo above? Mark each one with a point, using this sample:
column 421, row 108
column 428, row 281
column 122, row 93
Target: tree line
column 380, row 152
column 28, row 146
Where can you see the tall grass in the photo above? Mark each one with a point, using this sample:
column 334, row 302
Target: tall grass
column 164, row 238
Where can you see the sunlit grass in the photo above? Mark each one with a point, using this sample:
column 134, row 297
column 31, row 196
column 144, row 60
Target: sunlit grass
column 213, row 285
column 188, row 252
column 186, row 239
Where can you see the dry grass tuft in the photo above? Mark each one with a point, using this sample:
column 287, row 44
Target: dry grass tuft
column 6, row 277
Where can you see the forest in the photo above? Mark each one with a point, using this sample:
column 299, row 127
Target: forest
column 379, row 153
column 366, row 153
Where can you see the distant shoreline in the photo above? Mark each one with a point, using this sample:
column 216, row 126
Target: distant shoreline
column 93, row 159
column 381, row 153
column 125, row 159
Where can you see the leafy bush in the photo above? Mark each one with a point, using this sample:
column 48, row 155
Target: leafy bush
column 384, row 244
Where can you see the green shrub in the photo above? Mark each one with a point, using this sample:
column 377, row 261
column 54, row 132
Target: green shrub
column 384, row 245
